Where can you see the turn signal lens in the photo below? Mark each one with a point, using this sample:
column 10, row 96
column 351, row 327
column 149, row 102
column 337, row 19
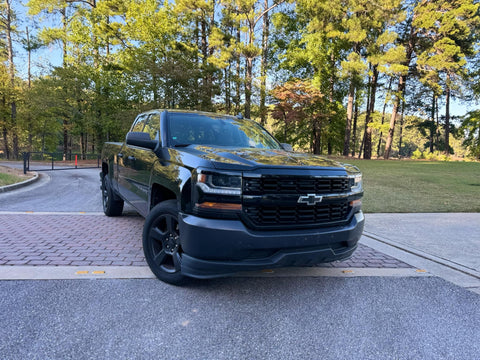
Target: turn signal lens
column 220, row 206
column 356, row 204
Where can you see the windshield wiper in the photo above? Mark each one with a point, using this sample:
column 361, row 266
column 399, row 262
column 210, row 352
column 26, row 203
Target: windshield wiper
column 181, row 145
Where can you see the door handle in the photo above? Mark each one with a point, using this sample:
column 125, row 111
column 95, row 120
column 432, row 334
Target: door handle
column 120, row 155
column 132, row 158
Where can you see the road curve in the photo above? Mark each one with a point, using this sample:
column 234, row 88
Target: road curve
column 59, row 191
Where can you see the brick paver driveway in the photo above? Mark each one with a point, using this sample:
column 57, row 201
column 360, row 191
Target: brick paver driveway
column 93, row 239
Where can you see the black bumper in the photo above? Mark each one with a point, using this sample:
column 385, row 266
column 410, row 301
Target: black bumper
column 214, row 248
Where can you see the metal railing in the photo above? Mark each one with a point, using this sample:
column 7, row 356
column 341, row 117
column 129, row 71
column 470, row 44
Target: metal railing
column 43, row 161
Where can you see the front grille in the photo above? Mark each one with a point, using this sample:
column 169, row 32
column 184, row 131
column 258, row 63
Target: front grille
column 275, row 216
column 295, row 185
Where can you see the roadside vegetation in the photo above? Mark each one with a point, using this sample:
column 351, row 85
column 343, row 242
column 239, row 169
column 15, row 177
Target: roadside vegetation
column 407, row 186
column 9, row 176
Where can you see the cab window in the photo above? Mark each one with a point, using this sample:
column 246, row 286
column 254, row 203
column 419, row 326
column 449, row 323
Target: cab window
column 152, row 126
column 139, row 123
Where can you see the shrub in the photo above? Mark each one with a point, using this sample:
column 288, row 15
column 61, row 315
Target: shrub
column 417, row 154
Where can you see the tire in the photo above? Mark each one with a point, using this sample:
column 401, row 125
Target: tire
column 161, row 243
column 111, row 206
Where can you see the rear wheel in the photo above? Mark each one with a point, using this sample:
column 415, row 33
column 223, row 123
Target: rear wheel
column 111, row 205
column 161, row 243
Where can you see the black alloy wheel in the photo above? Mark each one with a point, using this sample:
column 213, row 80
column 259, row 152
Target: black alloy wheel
column 161, row 243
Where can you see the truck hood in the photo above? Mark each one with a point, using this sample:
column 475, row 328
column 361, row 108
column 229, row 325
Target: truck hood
column 252, row 157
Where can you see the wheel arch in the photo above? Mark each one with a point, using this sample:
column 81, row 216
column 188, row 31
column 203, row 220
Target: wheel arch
column 160, row 193
column 170, row 182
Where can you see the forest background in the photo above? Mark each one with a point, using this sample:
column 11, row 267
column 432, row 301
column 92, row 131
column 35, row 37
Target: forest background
column 363, row 78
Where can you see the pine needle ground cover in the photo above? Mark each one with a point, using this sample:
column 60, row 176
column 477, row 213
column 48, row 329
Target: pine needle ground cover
column 419, row 186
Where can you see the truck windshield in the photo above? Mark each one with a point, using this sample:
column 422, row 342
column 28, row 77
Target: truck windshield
column 198, row 129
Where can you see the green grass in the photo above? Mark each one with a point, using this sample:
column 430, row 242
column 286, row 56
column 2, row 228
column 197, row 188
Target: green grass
column 8, row 179
column 419, row 186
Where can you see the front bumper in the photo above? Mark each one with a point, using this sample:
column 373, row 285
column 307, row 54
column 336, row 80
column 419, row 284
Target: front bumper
column 213, row 248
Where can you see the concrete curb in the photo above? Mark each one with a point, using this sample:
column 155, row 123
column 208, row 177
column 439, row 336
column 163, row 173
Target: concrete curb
column 19, row 185
column 143, row 272
column 442, row 261
column 435, row 266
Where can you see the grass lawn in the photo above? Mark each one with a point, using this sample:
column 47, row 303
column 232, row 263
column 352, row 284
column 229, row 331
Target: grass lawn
column 10, row 176
column 419, row 186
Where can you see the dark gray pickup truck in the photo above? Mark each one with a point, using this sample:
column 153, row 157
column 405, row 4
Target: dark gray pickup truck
column 221, row 195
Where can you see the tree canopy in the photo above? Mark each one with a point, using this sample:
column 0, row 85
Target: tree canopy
column 353, row 77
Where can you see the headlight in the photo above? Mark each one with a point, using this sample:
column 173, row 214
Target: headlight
column 356, row 183
column 220, row 183
column 355, row 178
column 217, row 194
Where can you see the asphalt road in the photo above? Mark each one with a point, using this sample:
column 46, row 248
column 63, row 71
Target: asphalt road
column 58, row 191
column 239, row 318
column 61, row 191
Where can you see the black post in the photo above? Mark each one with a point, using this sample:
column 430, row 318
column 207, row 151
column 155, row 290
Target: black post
column 25, row 162
column 52, row 155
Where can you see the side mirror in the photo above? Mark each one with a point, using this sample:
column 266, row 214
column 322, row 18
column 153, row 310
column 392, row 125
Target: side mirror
column 287, row 147
column 141, row 139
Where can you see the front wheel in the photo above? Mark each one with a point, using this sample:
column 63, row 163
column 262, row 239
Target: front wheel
column 161, row 243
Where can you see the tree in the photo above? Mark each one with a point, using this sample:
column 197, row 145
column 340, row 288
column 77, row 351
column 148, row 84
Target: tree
column 302, row 104
column 201, row 14
column 250, row 12
column 353, row 40
column 449, row 29
column 470, row 127
column 407, row 44
column 7, row 24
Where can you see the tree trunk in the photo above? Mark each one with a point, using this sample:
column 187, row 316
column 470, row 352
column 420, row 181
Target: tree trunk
column 248, row 85
column 433, row 123
column 367, row 152
column 228, row 102
column 82, row 143
column 348, row 126
column 383, row 116
column 29, row 84
column 360, row 150
column 437, row 123
column 5, row 130
column 263, row 70
column 317, row 130
column 11, row 71
column 204, row 48
column 401, row 128
column 5, row 143
column 398, row 97
column 237, row 80
column 332, row 101
column 355, row 121
column 447, row 117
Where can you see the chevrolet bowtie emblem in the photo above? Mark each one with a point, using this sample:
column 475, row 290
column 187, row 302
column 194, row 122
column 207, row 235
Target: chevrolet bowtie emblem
column 310, row 199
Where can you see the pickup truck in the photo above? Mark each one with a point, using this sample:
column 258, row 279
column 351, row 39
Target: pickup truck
column 221, row 195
